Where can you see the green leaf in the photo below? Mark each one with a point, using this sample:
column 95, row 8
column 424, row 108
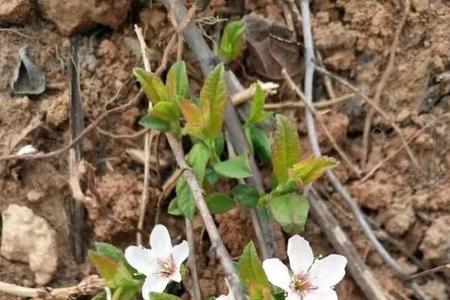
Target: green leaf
column 106, row 267
column 152, row 85
column 231, row 42
column 109, row 251
column 286, row 149
column 247, row 195
column 252, row 274
column 173, row 208
column 154, row 123
column 213, row 100
column 290, row 211
column 100, row 296
column 211, row 176
column 163, row 296
column 194, row 118
column 219, row 203
column 166, row 111
column 311, row 168
column 235, row 167
column 257, row 112
column 198, row 159
column 185, row 198
column 178, row 82
column 261, row 144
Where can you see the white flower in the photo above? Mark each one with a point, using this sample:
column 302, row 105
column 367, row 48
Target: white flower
column 310, row 279
column 27, row 150
column 227, row 297
column 161, row 263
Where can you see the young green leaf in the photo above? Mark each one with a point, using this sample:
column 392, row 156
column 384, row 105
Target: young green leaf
column 154, row 123
column 109, row 251
column 213, row 100
column 286, row 149
column 106, row 267
column 194, row 118
column 257, row 112
column 311, row 168
column 173, row 208
column 219, row 203
column 163, row 296
column 261, row 144
column 235, row 167
column 247, row 195
column 290, row 211
column 198, row 159
column 185, row 198
column 166, row 111
column 152, row 85
column 178, row 82
column 253, row 275
column 231, row 42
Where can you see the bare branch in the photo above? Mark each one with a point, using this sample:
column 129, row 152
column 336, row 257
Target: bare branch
column 382, row 84
column 88, row 286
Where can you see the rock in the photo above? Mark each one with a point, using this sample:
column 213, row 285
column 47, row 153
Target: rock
column 436, row 289
column 81, row 15
column 436, row 243
column 399, row 217
column 28, row 238
column 14, row 11
column 340, row 60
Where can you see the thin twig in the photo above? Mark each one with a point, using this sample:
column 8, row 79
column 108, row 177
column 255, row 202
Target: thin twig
column 211, row 228
column 430, row 271
column 322, row 124
column 88, row 286
column 167, row 187
column 373, row 105
column 312, row 135
column 122, row 136
column 396, row 152
column 317, row 105
column 382, row 84
column 147, row 144
column 86, row 131
column 192, row 259
column 247, row 94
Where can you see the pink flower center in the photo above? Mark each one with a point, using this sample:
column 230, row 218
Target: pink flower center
column 166, row 267
column 301, row 284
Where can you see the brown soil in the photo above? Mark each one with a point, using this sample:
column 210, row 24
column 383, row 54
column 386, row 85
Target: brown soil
column 354, row 37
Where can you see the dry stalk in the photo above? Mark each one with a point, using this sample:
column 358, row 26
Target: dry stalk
column 381, row 86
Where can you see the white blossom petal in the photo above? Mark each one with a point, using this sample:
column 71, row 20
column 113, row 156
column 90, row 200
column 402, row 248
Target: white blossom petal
column 180, row 252
column 327, row 272
column 141, row 259
column 27, row 150
column 277, row 273
column 300, row 254
column 322, row 294
column 292, row 295
column 154, row 283
column 160, row 242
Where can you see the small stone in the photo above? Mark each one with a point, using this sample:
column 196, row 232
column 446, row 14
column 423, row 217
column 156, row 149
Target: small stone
column 436, row 243
column 340, row 60
column 82, row 15
column 14, row 11
column 403, row 115
column 399, row 218
column 28, row 238
column 35, row 196
column 436, row 289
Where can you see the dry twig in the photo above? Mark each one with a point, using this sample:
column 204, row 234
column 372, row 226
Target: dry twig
column 317, row 105
column 88, row 286
column 382, row 84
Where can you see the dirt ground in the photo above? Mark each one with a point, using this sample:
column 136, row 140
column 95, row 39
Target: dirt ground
column 410, row 207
